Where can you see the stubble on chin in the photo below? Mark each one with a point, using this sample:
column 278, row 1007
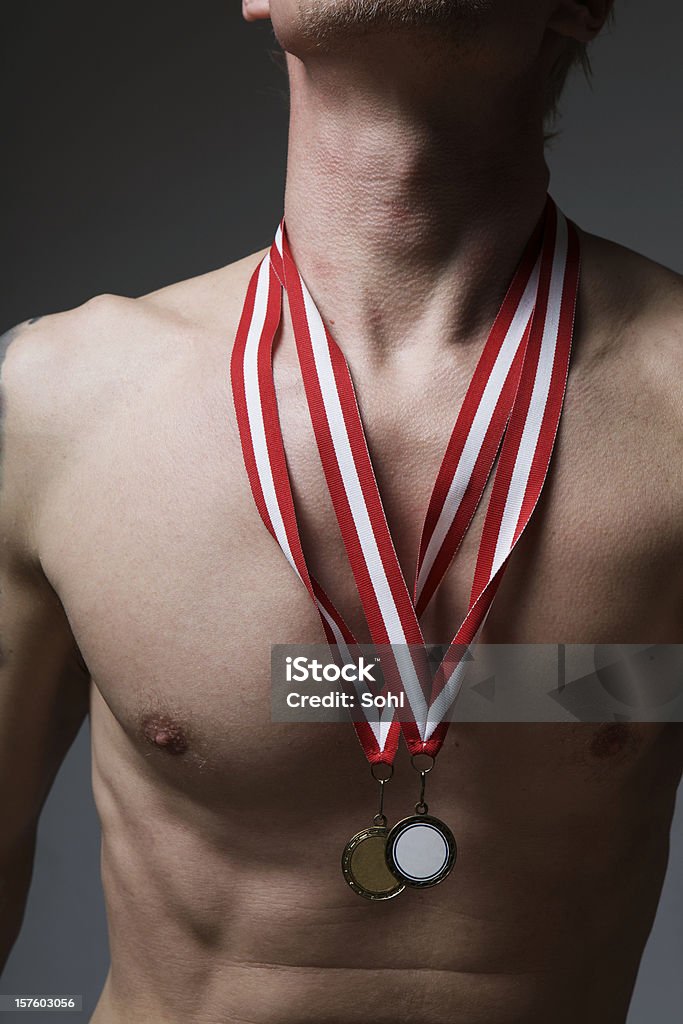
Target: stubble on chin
column 322, row 23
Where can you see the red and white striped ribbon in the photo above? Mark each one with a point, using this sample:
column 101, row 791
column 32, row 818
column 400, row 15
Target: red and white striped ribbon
column 265, row 462
column 513, row 404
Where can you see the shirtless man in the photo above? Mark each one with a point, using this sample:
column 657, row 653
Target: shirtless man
column 139, row 582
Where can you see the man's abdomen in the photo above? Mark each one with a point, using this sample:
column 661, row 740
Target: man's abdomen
column 226, row 899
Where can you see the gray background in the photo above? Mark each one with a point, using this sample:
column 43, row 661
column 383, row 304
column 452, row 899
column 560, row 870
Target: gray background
column 145, row 143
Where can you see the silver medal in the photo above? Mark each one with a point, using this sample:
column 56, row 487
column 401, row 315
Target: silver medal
column 421, row 850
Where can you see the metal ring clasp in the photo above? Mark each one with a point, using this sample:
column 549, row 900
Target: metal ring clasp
column 427, row 768
column 386, row 766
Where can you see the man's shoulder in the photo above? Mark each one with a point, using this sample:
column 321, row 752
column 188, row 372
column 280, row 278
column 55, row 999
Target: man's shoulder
column 207, row 301
column 65, row 376
column 631, row 307
column 67, row 366
column 625, row 289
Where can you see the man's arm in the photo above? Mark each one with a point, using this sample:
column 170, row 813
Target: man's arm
column 43, row 682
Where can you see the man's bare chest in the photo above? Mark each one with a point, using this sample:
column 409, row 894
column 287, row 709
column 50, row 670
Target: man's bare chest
column 175, row 591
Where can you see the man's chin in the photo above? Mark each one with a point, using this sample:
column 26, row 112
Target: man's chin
column 321, row 26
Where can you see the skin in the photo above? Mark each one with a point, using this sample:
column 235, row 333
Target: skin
column 139, row 582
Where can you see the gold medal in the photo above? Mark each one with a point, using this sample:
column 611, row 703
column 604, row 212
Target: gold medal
column 365, row 868
column 364, row 862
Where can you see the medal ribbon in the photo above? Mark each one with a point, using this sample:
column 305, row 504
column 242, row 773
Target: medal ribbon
column 512, row 405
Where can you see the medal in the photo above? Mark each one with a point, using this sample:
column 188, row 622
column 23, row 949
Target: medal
column 511, row 409
column 420, row 850
column 364, row 858
column 365, row 868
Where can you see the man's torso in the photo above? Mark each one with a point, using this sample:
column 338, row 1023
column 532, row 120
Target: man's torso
column 222, row 831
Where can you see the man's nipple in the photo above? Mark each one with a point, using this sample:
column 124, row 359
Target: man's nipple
column 612, row 739
column 164, row 734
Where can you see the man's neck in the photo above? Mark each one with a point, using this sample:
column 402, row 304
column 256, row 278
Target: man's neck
column 407, row 209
